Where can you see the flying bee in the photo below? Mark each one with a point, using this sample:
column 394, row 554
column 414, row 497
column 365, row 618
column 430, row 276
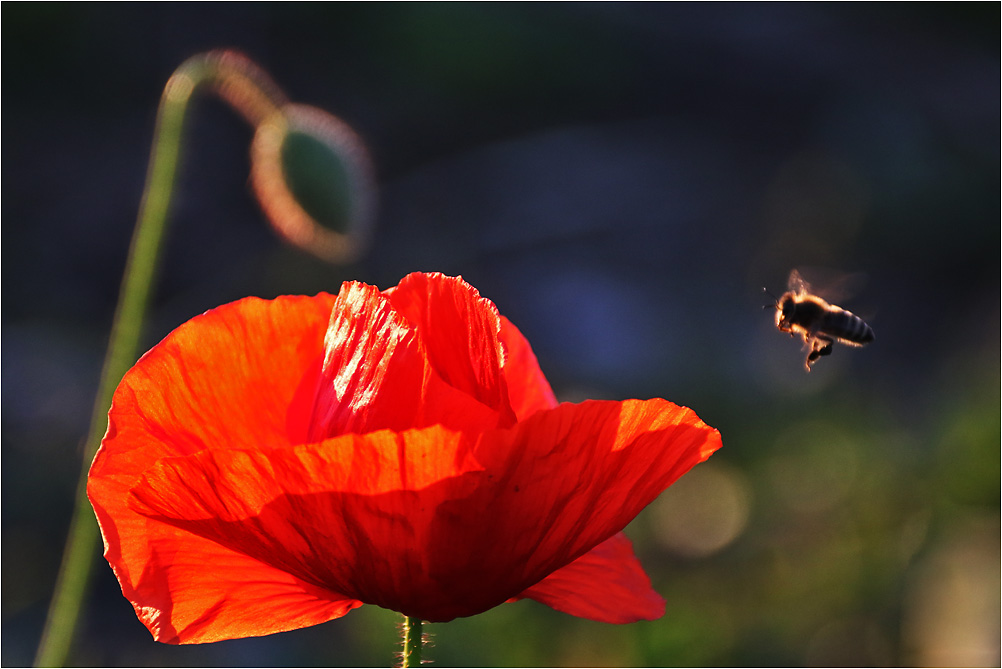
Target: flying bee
column 800, row 312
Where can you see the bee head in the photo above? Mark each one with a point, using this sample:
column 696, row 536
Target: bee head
column 785, row 307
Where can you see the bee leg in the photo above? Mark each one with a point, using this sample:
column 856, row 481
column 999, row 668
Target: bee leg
column 811, row 358
column 825, row 349
column 820, row 346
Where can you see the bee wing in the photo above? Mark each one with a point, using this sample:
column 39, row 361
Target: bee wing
column 797, row 284
column 830, row 285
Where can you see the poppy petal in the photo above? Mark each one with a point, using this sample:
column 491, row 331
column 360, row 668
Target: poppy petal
column 225, row 379
column 353, row 514
column 569, row 478
column 237, row 597
column 365, row 343
column 397, row 519
column 606, row 584
column 528, row 389
column 459, row 329
column 214, row 383
column 377, row 374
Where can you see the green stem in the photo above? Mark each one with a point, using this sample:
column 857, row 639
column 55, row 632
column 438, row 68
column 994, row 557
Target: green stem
column 411, row 656
column 79, row 553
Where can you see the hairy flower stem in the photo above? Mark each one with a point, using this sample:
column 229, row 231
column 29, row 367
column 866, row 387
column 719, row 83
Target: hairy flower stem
column 255, row 97
column 411, row 656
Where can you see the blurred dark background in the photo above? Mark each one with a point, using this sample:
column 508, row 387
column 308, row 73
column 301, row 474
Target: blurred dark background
column 622, row 180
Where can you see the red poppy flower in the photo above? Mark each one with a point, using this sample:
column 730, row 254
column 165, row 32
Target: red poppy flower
column 273, row 464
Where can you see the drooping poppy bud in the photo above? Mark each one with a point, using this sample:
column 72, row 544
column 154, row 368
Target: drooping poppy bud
column 313, row 178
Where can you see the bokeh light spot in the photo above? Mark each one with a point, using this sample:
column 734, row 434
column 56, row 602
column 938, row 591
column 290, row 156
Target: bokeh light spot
column 702, row 512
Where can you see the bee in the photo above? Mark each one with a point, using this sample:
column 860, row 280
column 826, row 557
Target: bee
column 800, row 312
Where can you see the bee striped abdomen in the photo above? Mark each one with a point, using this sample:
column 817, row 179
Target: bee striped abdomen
column 847, row 327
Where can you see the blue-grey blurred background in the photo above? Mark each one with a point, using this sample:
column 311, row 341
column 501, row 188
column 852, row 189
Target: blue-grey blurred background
column 621, row 180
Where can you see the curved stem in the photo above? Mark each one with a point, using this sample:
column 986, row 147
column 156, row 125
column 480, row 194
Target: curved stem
column 238, row 81
column 411, row 656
